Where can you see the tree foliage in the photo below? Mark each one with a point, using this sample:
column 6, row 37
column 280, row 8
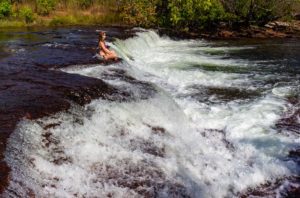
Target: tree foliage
column 26, row 14
column 197, row 14
column 139, row 12
column 5, row 8
column 259, row 11
column 44, row 7
column 181, row 14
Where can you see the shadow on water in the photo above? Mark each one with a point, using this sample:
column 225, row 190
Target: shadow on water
column 218, row 68
column 3, row 52
column 266, row 68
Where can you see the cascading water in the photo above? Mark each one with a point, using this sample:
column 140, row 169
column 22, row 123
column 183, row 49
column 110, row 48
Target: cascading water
column 204, row 128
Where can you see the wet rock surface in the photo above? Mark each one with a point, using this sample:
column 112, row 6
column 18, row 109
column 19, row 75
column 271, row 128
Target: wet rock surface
column 31, row 88
column 285, row 187
column 291, row 120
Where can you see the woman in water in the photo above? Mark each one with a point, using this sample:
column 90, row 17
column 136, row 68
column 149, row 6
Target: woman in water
column 104, row 52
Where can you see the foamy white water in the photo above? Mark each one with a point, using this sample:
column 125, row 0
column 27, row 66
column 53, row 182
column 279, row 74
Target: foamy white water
column 188, row 139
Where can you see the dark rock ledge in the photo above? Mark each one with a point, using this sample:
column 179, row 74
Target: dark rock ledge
column 30, row 88
column 36, row 93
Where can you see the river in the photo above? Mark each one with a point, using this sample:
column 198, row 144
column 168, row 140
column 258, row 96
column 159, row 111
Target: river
column 205, row 118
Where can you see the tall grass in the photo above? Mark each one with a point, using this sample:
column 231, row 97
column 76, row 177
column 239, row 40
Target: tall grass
column 63, row 12
column 4, row 23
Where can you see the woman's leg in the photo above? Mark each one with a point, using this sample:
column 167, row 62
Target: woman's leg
column 115, row 54
column 102, row 54
column 112, row 55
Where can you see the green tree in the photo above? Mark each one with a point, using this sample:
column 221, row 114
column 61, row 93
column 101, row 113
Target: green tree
column 26, row 14
column 5, row 8
column 259, row 11
column 195, row 14
column 139, row 12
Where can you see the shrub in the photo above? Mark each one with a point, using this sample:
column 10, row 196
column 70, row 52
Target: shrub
column 195, row 14
column 26, row 14
column 259, row 11
column 139, row 12
column 44, row 7
column 5, row 9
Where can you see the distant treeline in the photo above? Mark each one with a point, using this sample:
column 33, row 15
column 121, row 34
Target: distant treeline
column 180, row 14
column 199, row 14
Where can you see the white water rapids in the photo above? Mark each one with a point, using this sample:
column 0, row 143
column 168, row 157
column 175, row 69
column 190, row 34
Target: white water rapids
column 188, row 139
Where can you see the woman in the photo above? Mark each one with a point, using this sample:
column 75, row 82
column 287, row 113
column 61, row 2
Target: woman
column 104, row 52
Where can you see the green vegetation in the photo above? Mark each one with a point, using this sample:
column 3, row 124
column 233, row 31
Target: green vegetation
column 5, row 9
column 260, row 11
column 19, row 13
column 44, row 7
column 195, row 13
column 139, row 12
column 199, row 14
column 82, row 20
column 26, row 14
column 177, row 14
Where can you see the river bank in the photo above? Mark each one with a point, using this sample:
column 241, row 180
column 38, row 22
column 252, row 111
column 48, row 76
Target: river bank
column 274, row 29
column 98, row 16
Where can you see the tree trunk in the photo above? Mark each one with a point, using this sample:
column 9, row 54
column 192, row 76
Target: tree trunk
column 250, row 13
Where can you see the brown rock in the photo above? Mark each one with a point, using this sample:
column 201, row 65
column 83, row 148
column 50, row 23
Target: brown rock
column 226, row 34
column 297, row 16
